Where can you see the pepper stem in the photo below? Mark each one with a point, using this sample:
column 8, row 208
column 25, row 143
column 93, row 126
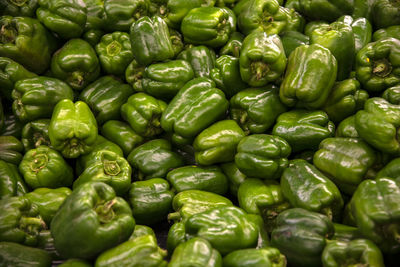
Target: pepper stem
column 39, row 162
column 76, row 79
column 174, row 216
column 328, row 212
column 111, row 167
column 260, row 69
column 113, row 48
column 382, row 68
column 8, row 34
column 105, row 211
column 32, row 224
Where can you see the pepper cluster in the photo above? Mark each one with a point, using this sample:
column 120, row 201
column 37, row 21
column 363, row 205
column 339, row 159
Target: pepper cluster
column 258, row 132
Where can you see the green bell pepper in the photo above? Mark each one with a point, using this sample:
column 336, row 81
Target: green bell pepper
column 210, row 179
column 303, row 129
column 91, row 220
column 150, row 40
column 13, row 254
column 217, row 143
column 107, row 167
column 163, row 80
column 75, row 263
column 310, row 74
column 93, row 36
column 73, row 128
column 256, row 109
column 347, row 128
column 76, row 63
column 234, row 175
column 11, row 183
column 293, row 39
column 196, row 106
column 10, row 73
column 226, row 75
column 176, row 235
column 45, row 167
column 176, row 40
column 390, row 170
column 95, row 15
column 105, row 97
column 12, row 126
column 141, row 251
column 35, row 98
column 18, row 8
column 262, row 156
column 150, row 200
column 141, row 230
column 121, row 14
column 345, row 232
column 306, row 187
column 36, row 133
column 211, row 26
column 346, row 99
column 363, row 9
column 377, row 65
column 392, row 31
column 27, row 42
column 154, row 159
column 392, row 95
column 48, row 201
column 115, row 53
column 20, row 221
column 10, row 149
column 233, row 46
column 121, row 134
column 357, row 252
column 201, row 58
column 378, row 125
column 134, row 75
column 262, row 58
column 268, row 257
column 301, row 235
column 196, row 252
column 385, row 13
column 336, row 158
column 67, row 18
column 375, row 208
column 190, row 202
column 338, row 37
column 143, row 113
column 362, row 30
column 328, row 10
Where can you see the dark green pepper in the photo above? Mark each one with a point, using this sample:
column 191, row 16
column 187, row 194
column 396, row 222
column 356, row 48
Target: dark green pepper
column 11, row 183
column 36, row 133
column 328, row 10
column 363, row 9
column 95, row 16
column 176, row 236
column 293, row 39
column 12, row 126
column 345, row 232
column 121, row 14
column 234, row 175
column 76, row 63
column 347, row 128
column 255, row 257
column 13, row 254
column 93, row 37
column 45, row 167
column 91, row 219
column 385, row 13
column 150, row 200
column 134, row 74
column 201, row 58
column 392, row 31
column 233, row 46
column 391, row 170
column 362, row 31
column 392, row 95
column 10, row 149
column 18, row 8
column 73, row 128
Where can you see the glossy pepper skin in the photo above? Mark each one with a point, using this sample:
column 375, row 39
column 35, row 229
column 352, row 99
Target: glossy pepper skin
column 301, row 236
column 392, row 95
column 36, row 133
column 66, row 18
column 392, row 31
column 256, row 109
column 362, row 30
column 141, row 230
column 11, row 72
column 35, row 98
column 217, row 143
column 121, row 14
column 201, row 58
column 328, row 10
column 115, row 53
column 262, row 58
column 73, row 128
column 251, row 257
column 233, row 46
column 48, row 200
column 197, row 105
column 310, row 74
column 390, row 170
column 347, row 128
column 240, row 230
column 210, row 179
column 141, row 251
column 12, row 126
column 303, row 129
column 150, row 40
column 192, row 201
column 15, row 8
column 76, row 63
column 143, row 113
column 262, row 156
column 45, row 167
column 154, row 159
column 91, row 220
column 363, row 8
column 121, row 134
column 234, row 175
column 10, row 149
column 378, row 125
column 374, row 207
column 134, row 74
column 338, row 37
column 377, row 65
column 347, row 161
column 163, row 80
column 196, row 252
column 345, row 100
column 360, row 251
column 11, row 181
column 107, row 167
column 293, row 39
column 105, row 96
column 306, row 187
column 211, row 26
column 176, row 236
column 75, row 263
column 13, row 254
column 150, row 200
column 27, row 42
column 20, row 221
column 385, row 13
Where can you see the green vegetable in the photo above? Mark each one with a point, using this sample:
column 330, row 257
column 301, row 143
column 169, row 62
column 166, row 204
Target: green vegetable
column 385, row 13
column 255, row 257
column 234, row 175
column 201, row 58
column 391, row 170
column 362, row 30
column 392, row 95
column 10, row 149
column 328, row 10
column 11, row 183
column 233, row 46
column 121, row 14
column 36, row 133
column 392, row 31
column 293, row 39
column 13, row 254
